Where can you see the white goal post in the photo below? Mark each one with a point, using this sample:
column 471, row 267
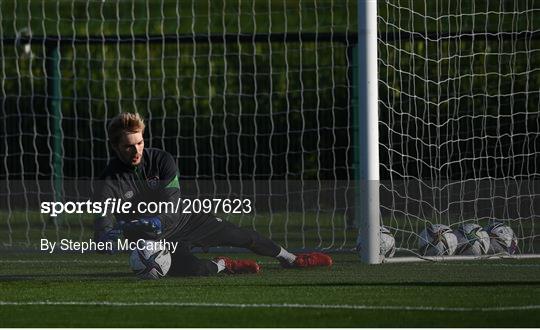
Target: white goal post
column 368, row 132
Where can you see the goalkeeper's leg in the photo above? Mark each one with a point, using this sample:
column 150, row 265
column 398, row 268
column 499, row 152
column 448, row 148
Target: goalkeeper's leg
column 233, row 235
column 212, row 231
column 184, row 263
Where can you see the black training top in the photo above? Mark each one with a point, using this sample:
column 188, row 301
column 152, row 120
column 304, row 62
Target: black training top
column 155, row 179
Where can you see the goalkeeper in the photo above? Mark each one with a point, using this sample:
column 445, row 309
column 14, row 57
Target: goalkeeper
column 139, row 174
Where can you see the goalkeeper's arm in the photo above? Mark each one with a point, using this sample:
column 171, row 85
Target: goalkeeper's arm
column 104, row 226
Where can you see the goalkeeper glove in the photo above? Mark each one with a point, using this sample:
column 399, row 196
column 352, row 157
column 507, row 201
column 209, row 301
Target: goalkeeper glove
column 147, row 228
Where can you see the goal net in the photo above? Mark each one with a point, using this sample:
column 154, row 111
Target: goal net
column 252, row 99
column 459, row 107
column 258, row 99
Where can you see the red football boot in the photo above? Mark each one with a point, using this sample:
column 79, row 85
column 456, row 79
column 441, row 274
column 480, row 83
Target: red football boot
column 239, row 266
column 313, row 259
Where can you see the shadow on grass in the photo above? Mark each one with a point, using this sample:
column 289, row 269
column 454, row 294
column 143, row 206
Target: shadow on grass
column 245, row 280
column 102, row 276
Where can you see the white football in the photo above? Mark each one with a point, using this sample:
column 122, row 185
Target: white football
column 437, row 240
column 150, row 262
column 502, row 238
column 472, row 240
column 387, row 243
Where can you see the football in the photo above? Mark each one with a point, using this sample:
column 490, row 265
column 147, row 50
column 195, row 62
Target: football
column 437, row 240
column 502, row 238
column 472, row 240
column 387, row 243
column 150, row 263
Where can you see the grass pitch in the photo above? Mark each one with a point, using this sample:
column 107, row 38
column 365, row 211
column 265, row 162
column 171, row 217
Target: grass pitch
column 49, row 290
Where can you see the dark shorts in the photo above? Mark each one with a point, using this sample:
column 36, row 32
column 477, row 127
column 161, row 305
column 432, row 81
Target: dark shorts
column 207, row 230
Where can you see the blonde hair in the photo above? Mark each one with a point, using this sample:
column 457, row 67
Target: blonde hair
column 124, row 122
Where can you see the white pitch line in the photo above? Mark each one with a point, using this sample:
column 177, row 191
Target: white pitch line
column 299, row 306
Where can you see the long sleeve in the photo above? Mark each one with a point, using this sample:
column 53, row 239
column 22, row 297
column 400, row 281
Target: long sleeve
column 105, row 223
column 170, row 192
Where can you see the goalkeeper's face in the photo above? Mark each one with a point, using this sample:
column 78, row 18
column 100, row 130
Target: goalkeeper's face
column 130, row 148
